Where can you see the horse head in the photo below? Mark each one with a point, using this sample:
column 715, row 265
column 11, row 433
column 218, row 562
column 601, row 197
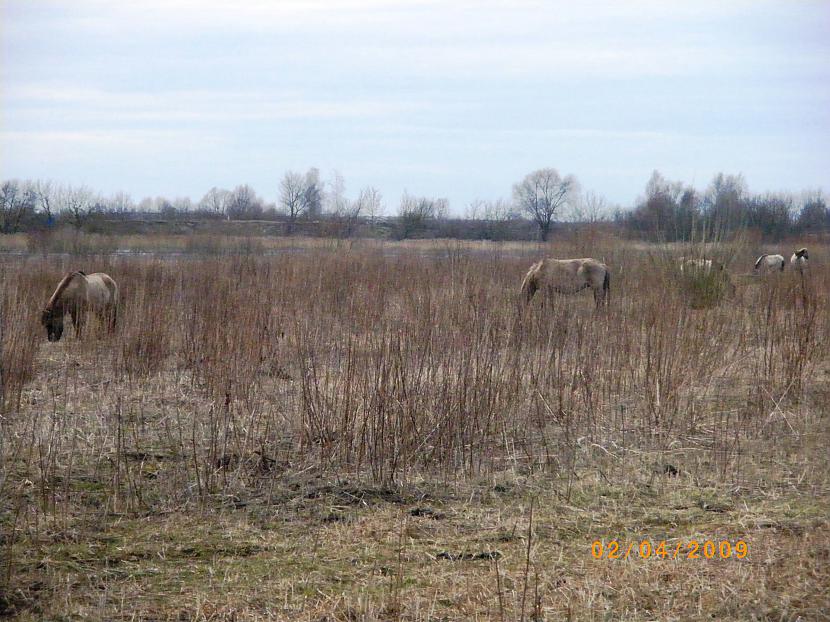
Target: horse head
column 53, row 322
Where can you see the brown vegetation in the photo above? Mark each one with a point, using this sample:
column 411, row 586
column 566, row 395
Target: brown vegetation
column 357, row 431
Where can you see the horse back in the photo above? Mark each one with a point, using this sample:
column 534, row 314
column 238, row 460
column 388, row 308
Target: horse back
column 102, row 289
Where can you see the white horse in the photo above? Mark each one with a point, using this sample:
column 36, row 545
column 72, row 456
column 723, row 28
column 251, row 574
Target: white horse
column 768, row 263
column 799, row 259
column 699, row 265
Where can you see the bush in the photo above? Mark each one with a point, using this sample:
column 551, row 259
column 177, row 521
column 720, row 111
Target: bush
column 705, row 289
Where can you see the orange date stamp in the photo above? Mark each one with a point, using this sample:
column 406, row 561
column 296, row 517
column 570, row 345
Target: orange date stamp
column 692, row 549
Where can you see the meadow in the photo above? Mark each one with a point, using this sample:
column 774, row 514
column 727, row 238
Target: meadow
column 364, row 430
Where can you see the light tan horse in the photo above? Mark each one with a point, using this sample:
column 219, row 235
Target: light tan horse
column 79, row 294
column 568, row 276
column 799, row 260
column 768, row 263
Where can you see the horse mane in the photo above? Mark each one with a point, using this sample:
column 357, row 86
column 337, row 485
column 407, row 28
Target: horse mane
column 62, row 286
column 760, row 259
column 801, row 252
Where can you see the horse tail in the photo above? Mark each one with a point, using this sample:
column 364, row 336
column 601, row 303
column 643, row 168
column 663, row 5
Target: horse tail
column 529, row 285
column 606, row 286
column 758, row 262
column 783, row 263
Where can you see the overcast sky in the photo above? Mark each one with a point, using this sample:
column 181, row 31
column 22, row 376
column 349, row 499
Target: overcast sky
column 452, row 99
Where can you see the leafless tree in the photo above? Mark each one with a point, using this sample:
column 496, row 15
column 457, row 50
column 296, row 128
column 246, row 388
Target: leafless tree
column 244, row 203
column 423, row 208
column 414, row 212
column 77, row 203
column 492, row 217
column 183, row 205
column 335, row 195
column 120, row 203
column 215, row 201
column 541, row 193
column 17, row 203
column 725, row 201
column 590, row 207
column 293, row 197
column 370, row 201
column 658, row 187
column 45, row 193
column 313, row 193
column 345, row 214
column 475, row 209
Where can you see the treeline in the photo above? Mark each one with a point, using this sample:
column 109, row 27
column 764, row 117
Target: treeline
column 673, row 211
column 539, row 203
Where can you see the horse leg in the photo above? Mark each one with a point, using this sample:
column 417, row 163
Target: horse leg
column 600, row 297
column 79, row 321
column 112, row 316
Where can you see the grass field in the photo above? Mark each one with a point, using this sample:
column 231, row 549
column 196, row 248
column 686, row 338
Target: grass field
column 378, row 431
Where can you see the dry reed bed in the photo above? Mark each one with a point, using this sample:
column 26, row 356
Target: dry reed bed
column 232, row 379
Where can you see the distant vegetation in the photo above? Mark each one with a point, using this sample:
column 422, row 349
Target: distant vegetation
column 542, row 202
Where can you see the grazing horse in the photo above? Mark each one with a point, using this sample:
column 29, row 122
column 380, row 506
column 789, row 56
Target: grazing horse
column 767, row 263
column 568, row 276
column 78, row 294
column 799, row 259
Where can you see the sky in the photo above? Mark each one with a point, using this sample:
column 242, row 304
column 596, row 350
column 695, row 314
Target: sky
column 447, row 99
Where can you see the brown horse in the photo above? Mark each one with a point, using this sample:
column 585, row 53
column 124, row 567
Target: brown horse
column 568, row 276
column 79, row 294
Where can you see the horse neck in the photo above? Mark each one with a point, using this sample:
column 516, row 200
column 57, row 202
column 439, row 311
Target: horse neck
column 55, row 302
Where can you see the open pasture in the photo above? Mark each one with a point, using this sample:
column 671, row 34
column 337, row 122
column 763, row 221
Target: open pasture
column 379, row 431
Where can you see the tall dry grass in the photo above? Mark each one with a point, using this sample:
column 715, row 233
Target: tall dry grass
column 389, row 364
column 399, row 364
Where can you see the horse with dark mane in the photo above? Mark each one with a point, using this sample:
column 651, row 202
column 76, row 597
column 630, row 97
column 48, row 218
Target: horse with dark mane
column 79, row 294
column 568, row 276
column 799, row 259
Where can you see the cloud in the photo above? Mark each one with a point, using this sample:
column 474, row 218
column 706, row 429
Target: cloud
column 479, row 90
column 32, row 104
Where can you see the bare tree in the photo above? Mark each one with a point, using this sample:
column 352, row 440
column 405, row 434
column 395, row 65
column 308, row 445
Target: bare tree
column 77, row 204
column 590, row 207
column 243, row 202
column 725, row 201
column 215, row 201
column 313, row 193
column 120, row 203
column 414, row 212
column 183, row 205
column 474, row 209
column 492, row 217
column 541, row 193
column 423, row 208
column 335, row 196
column 658, row 187
column 293, row 197
column 814, row 214
column 17, row 203
column 371, row 203
column 498, row 211
column 45, row 193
